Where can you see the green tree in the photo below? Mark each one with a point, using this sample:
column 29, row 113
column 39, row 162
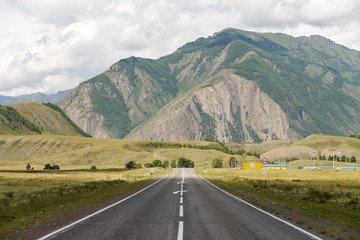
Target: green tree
column 232, row 161
column 28, row 167
column 148, row 165
column 173, row 163
column 353, row 159
column 130, row 164
column 47, row 166
column 157, row 163
column 165, row 164
column 217, row 163
column 181, row 162
column 56, row 167
column 185, row 163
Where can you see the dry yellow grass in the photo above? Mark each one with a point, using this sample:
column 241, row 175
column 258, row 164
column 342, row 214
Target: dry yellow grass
column 323, row 177
column 80, row 152
column 306, row 148
column 33, row 182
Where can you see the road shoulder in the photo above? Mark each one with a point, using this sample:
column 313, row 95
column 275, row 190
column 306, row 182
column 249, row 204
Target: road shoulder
column 326, row 228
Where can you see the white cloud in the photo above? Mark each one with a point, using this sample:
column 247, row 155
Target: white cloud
column 54, row 45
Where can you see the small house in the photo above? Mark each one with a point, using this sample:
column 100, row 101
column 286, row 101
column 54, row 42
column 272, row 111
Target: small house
column 252, row 165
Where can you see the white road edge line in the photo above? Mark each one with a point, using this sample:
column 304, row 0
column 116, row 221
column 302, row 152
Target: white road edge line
column 259, row 209
column 180, row 230
column 102, row 210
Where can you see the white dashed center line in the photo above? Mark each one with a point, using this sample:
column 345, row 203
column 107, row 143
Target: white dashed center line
column 181, row 211
column 181, row 208
column 181, row 230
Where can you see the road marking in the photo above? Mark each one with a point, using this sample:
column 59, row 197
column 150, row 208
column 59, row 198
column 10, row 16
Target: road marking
column 181, row 200
column 183, row 176
column 180, row 230
column 176, row 192
column 100, row 211
column 181, row 211
column 193, row 171
column 269, row 214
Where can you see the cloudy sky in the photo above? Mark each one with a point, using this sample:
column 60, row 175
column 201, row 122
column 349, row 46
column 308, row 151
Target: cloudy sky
column 54, row 45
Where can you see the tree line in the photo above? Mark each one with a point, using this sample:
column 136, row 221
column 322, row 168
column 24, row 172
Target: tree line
column 180, row 163
column 219, row 147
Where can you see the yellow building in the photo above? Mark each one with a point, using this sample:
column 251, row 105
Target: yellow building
column 276, row 166
column 252, row 165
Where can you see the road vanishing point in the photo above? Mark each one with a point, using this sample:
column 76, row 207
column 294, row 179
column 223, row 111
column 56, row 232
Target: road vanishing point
column 179, row 206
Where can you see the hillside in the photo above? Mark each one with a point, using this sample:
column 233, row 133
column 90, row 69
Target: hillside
column 34, row 118
column 233, row 86
column 79, row 152
column 308, row 148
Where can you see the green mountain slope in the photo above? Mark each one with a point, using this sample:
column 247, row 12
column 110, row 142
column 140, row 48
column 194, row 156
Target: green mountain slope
column 232, row 86
column 33, row 118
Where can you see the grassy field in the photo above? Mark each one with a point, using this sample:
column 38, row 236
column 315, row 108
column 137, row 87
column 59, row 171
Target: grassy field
column 330, row 194
column 307, row 148
column 75, row 152
column 26, row 198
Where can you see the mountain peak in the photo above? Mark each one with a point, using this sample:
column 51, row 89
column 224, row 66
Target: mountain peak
column 226, row 87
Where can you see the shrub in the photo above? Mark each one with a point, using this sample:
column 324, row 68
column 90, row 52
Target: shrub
column 173, row 163
column 93, row 167
column 217, row 163
column 232, row 161
column 28, row 167
column 185, row 163
column 165, row 164
column 148, row 165
column 130, row 164
column 157, row 163
column 53, row 167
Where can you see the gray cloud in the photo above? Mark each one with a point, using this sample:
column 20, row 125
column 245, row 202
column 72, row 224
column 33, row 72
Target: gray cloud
column 53, row 45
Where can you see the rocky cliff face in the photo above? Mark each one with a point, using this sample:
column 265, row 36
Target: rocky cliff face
column 232, row 86
column 233, row 110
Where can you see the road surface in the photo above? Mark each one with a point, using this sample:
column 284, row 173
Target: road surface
column 179, row 206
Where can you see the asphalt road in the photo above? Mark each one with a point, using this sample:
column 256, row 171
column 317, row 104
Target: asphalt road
column 181, row 206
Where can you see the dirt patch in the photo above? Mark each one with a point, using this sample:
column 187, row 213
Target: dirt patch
column 327, row 229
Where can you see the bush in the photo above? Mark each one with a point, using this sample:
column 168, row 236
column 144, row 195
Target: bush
column 130, row 164
column 148, row 165
column 217, row 163
column 185, row 163
column 93, row 167
column 28, row 167
column 53, row 167
column 165, row 164
column 157, row 163
column 232, row 161
column 173, row 163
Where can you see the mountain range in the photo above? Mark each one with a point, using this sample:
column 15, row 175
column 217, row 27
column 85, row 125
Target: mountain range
column 36, row 97
column 233, row 86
